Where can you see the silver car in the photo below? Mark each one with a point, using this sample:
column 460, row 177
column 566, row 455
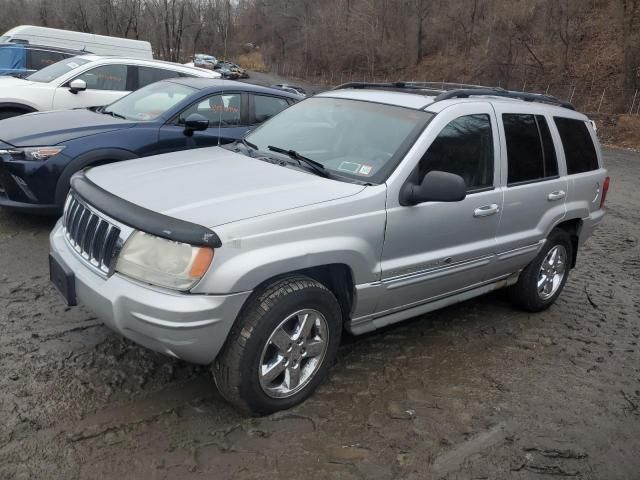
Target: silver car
column 352, row 210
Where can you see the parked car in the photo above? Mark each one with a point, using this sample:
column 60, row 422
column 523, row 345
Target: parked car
column 20, row 60
column 290, row 89
column 205, row 61
column 354, row 209
column 40, row 152
column 81, row 41
column 85, row 81
column 234, row 68
column 227, row 72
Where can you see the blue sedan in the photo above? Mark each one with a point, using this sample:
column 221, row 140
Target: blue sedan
column 40, row 152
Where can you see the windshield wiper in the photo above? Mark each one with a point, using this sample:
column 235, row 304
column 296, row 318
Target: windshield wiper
column 247, row 143
column 317, row 167
column 114, row 114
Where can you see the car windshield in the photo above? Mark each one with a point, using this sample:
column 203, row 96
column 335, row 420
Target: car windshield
column 355, row 139
column 149, row 102
column 56, row 70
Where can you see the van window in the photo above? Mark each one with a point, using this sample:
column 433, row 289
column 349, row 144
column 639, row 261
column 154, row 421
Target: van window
column 106, row 77
column 531, row 155
column 266, row 107
column 38, row 59
column 463, row 147
column 148, row 75
column 579, row 150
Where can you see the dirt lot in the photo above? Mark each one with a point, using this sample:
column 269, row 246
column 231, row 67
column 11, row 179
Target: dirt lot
column 478, row 390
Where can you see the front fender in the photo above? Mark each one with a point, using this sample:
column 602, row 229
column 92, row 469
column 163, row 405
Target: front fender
column 86, row 159
column 245, row 271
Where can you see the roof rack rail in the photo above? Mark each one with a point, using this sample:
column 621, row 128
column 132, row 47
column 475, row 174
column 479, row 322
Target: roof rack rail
column 500, row 92
column 445, row 91
column 389, row 85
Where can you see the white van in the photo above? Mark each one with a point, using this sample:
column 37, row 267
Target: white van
column 87, row 42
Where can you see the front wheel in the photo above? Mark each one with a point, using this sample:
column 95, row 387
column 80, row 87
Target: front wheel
column 542, row 281
column 281, row 346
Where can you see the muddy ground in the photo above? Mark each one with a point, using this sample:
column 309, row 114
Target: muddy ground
column 479, row 390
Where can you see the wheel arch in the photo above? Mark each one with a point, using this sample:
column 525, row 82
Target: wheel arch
column 89, row 159
column 573, row 228
column 338, row 278
column 17, row 106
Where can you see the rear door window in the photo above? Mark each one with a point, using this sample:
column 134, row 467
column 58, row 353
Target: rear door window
column 531, row 155
column 464, row 147
column 149, row 75
column 267, row 107
column 579, row 150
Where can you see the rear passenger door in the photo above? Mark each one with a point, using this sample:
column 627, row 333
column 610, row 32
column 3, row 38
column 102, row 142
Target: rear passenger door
column 534, row 184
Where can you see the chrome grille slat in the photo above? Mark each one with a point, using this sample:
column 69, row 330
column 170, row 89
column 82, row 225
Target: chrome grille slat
column 91, row 236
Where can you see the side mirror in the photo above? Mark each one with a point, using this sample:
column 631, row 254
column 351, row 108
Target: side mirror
column 77, row 85
column 195, row 123
column 436, row 186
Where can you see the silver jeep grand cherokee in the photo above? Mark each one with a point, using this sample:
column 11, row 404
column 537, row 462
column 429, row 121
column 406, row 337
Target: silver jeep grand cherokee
column 354, row 209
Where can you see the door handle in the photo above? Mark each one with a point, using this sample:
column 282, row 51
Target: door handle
column 559, row 195
column 486, row 210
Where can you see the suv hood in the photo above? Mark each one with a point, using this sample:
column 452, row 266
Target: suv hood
column 51, row 128
column 214, row 186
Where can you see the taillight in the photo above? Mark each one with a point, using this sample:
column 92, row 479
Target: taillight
column 605, row 189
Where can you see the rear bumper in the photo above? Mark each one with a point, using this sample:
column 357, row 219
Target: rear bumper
column 186, row 326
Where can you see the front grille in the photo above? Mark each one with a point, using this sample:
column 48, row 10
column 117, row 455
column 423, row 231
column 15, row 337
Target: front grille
column 94, row 238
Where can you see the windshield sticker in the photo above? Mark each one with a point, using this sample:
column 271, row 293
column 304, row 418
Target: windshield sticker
column 350, row 167
column 72, row 65
column 365, row 170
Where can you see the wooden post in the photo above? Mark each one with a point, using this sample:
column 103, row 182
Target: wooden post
column 633, row 104
column 601, row 99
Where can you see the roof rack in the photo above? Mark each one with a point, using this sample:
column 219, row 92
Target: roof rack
column 445, row 91
column 500, row 92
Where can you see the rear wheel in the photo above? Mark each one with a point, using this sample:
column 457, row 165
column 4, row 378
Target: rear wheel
column 542, row 281
column 281, row 347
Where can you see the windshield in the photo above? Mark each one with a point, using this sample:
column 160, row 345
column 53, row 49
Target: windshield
column 149, row 102
column 356, row 139
column 56, row 70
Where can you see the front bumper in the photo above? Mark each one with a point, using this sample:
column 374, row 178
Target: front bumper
column 18, row 191
column 186, row 326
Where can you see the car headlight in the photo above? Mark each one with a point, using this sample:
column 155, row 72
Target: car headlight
column 162, row 262
column 37, row 154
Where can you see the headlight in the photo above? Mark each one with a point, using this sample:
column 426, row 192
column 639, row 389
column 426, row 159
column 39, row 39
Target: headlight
column 37, row 154
column 163, row 262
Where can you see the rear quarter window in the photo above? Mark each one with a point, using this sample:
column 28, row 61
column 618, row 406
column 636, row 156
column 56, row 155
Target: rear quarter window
column 579, row 150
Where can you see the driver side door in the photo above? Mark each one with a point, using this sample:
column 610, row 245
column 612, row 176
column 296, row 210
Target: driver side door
column 228, row 121
column 105, row 85
column 436, row 249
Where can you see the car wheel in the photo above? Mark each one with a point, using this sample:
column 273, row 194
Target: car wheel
column 542, row 281
column 10, row 112
column 281, row 346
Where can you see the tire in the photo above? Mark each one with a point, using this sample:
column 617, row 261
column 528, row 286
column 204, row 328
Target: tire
column 526, row 293
column 10, row 112
column 252, row 345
